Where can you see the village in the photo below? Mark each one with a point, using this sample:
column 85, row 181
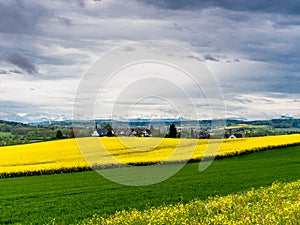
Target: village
column 198, row 129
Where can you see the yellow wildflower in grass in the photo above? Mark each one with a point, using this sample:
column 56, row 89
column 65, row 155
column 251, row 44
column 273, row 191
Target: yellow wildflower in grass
column 277, row 204
column 104, row 152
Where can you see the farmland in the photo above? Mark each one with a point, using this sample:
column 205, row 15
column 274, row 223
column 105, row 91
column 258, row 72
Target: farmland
column 65, row 156
column 75, row 197
column 277, row 204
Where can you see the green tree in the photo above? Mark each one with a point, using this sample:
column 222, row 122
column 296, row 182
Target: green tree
column 71, row 134
column 59, row 134
column 172, row 131
column 109, row 129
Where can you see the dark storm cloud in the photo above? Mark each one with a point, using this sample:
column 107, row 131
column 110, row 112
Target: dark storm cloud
column 276, row 6
column 210, row 58
column 22, row 62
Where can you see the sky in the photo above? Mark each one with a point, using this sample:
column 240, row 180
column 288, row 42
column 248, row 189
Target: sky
column 252, row 49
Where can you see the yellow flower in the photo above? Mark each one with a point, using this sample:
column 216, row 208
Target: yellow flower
column 105, row 152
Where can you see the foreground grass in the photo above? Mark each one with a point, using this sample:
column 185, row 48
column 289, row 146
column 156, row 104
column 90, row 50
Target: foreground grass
column 72, row 197
column 277, row 204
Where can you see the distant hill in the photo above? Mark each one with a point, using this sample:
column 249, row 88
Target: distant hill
column 275, row 123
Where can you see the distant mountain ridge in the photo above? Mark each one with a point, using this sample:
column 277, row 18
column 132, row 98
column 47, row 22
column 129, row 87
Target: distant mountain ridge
column 280, row 122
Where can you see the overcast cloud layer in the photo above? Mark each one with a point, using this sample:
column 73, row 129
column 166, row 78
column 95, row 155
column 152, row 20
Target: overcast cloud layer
column 252, row 47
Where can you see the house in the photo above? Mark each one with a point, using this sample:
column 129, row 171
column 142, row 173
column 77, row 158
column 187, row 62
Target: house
column 100, row 132
column 238, row 135
column 140, row 132
column 95, row 134
column 204, row 135
column 230, row 136
column 285, row 117
column 122, row 132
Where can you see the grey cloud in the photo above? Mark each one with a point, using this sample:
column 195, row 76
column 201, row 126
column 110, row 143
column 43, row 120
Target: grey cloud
column 3, row 72
column 276, row 6
column 67, row 36
column 178, row 27
column 22, row 62
column 10, row 72
column 257, row 37
column 214, row 58
column 9, row 110
column 22, row 112
column 195, row 57
column 210, row 58
column 128, row 49
column 64, row 20
column 287, row 22
column 284, row 84
column 232, row 60
column 18, row 18
column 16, row 71
column 263, row 81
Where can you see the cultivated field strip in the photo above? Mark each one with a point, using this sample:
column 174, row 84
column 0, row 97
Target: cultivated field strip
column 277, row 204
column 66, row 156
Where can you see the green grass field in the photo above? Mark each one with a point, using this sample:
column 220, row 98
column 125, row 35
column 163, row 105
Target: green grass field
column 5, row 134
column 75, row 196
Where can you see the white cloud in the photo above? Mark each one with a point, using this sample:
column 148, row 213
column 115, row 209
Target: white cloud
column 262, row 105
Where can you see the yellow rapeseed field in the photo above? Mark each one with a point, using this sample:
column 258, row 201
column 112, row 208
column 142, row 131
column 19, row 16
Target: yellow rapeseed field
column 277, row 204
column 104, row 152
column 40, row 156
